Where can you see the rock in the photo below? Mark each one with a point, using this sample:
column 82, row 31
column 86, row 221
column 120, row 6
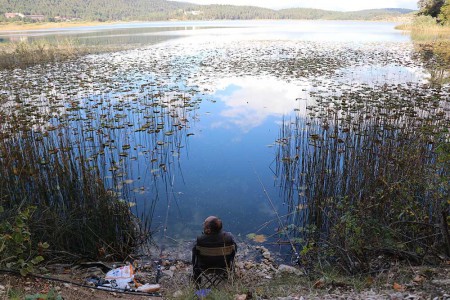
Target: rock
column 266, row 254
column 168, row 273
column 2, row 287
column 173, row 268
column 240, row 265
column 441, row 281
column 396, row 296
column 249, row 265
column 166, row 263
column 177, row 294
column 285, row 269
column 240, row 297
column 94, row 271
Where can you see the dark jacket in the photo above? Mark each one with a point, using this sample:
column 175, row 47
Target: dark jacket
column 220, row 239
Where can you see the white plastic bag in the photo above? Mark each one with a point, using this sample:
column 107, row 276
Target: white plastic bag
column 119, row 278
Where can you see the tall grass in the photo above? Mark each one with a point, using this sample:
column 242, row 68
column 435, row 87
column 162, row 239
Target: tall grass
column 362, row 177
column 426, row 29
column 75, row 213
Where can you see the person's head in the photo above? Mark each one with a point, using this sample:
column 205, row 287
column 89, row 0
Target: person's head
column 212, row 225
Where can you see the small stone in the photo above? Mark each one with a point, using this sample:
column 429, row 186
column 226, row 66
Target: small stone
column 248, row 265
column 2, row 287
column 57, row 288
column 289, row 270
column 168, row 273
column 240, row 297
column 396, row 296
column 177, row 294
column 266, row 255
column 173, row 268
column 441, row 281
column 166, row 263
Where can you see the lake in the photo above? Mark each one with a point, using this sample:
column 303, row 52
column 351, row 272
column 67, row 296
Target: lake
column 188, row 124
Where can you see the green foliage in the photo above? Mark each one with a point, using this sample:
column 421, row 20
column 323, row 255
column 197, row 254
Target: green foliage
column 424, row 21
column 16, row 247
column 110, row 10
column 51, row 295
column 444, row 15
column 430, row 7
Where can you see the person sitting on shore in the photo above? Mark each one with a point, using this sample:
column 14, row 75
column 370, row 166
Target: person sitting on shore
column 213, row 236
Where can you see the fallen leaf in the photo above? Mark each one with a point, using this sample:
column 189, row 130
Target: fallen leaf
column 419, row 279
column 399, row 287
column 260, row 238
column 319, row 284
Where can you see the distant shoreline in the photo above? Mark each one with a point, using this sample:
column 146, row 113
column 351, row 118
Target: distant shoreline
column 11, row 27
column 53, row 25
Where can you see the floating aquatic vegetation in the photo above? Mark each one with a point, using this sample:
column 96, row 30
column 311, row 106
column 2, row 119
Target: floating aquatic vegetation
column 258, row 238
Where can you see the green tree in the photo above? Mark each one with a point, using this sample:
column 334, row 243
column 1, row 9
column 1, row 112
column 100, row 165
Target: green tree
column 444, row 15
column 430, row 7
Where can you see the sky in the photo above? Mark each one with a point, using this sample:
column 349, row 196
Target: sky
column 340, row 5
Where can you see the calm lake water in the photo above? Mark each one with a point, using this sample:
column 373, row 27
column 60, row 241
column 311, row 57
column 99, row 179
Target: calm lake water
column 243, row 79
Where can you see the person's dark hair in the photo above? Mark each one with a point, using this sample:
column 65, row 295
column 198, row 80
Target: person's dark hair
column 212, row 225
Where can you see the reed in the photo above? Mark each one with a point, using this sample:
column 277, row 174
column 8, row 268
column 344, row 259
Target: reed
column 84, row 160
column 361, row 175
column 24, row 54
column 75, row 213
column 426, row 29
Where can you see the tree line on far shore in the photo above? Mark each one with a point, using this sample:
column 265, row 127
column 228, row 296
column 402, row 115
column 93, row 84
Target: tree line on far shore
column 153, row 10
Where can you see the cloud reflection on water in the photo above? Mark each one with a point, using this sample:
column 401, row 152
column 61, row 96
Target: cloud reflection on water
column 250, row 101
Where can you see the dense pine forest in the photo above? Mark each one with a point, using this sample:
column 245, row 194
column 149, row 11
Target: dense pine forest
column 150, row 10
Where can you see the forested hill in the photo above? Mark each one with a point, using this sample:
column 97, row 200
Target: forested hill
column 147, row 10
column 98, row 10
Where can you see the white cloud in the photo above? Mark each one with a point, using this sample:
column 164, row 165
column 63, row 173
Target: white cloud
column 253, row 100
column 342, row 5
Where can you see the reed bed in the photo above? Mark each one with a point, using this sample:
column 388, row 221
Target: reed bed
column 92, row 163
column 426, row 29
column 364, row 175
column 24, row 54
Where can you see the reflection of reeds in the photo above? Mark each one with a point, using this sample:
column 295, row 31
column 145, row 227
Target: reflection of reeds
column 24, row 54
column 361, row 177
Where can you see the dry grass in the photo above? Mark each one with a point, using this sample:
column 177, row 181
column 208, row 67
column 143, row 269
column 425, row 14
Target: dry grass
column 424, row 28
column 24, row 54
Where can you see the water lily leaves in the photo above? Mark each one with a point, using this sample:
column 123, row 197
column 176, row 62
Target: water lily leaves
column 258, row 238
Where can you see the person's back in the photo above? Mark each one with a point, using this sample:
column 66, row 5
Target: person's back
column 212, row 237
